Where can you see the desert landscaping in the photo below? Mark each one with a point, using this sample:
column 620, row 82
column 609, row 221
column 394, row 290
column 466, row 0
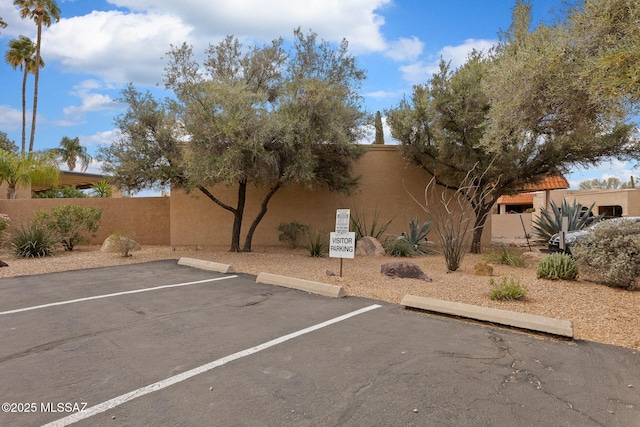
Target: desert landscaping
column 599, row 313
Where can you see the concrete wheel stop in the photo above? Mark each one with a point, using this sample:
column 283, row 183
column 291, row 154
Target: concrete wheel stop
column 525, row 321
column 206, row 265
column 323, row 289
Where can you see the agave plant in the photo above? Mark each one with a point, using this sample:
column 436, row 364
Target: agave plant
column 416, row 240
column 550, row 222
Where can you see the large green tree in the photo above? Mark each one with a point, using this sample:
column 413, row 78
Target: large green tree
column 43, row 13
column 516, row 114
column 608, row 31
column 7, row 144
column 24, row 169
column 262, row 116
column 70, row 151
column 21, row 54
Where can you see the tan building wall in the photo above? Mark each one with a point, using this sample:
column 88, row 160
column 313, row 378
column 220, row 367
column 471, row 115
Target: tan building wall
column 147, row 218
column 508, row 228
column 628, row 199
column 387, row 186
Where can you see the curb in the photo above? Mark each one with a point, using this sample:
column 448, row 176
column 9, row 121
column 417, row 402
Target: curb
column 530, row 322
column 206, row 265
column 323, row 289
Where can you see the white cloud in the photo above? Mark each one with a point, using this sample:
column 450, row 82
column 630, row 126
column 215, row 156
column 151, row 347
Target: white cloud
column 355, row 20
column 16, row 25
column 119, row 47
column 10, row 119
column 384, row 94
column 129, row 46
column 100, row 138
column 405, row 49
column 90, row 101
column 614, row 168
column 421, row 71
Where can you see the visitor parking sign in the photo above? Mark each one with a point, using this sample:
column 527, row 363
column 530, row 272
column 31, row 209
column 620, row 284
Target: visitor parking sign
column 342, row 245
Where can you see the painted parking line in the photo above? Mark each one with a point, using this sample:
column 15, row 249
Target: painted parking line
column 136, row 291
column 117, row 401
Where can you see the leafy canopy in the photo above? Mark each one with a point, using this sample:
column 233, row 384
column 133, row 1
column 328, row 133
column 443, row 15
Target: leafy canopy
column 261, row 116
column 520, row 112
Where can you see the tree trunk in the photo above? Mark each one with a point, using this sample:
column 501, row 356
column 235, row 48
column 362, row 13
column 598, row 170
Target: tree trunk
column 11, row 191
column 35, row 84
column 237, row 217
column 482, row 213
column 261, row 214
column 24, row 108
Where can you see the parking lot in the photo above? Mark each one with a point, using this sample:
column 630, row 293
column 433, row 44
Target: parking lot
column 163, row 344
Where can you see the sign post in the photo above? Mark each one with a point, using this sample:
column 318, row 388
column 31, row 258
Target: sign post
column 342, row 243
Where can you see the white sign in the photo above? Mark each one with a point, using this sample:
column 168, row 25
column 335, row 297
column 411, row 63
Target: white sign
column 342, row 220
column 342, row 245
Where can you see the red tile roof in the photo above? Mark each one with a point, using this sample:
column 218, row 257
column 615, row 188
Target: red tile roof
column 554, row 182
column 518, row 199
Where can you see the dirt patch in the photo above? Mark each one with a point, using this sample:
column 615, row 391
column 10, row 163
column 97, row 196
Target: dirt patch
column 598, row 313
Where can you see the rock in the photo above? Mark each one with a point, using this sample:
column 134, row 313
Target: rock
column 483, row 269
column 119, row 244
column 329, row 273
column 369, row 246
column 403, row 270
column 3, row 264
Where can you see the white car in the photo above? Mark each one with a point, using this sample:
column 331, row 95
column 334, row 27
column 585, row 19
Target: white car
column 574, row 237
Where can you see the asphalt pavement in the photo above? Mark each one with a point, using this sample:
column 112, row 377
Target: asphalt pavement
column 169, row 345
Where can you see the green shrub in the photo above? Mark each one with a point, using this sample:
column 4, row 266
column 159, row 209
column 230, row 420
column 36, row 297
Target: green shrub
column 292, row 232
column 506, row 256
column 400, row 247
column 412, row 243
column 60, row 193
column 612, row 251
column 70, row 223
column 375, row 230
column 557, row 266
column 550, row 222
column 509, row 290
column 102, row 189
column 317, row 246
column 4, row 222
column 34, row 240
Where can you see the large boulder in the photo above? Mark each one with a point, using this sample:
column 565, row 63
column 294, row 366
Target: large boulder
column 403, row 270
column 483, row 269
column 369, row 246
column 119, row 244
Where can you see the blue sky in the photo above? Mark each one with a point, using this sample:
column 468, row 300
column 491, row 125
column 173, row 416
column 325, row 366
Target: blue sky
column 100, row 45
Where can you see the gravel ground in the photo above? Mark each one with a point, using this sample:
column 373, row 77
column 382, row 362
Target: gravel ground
column 599, row 313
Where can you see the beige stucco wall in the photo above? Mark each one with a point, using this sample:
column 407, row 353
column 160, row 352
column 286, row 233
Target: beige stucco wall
column 387, row 186
column 147, row 218
column 508, row 227
column 628, row 199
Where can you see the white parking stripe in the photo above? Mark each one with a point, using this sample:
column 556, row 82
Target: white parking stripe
column 117, row 401
column 53, row 304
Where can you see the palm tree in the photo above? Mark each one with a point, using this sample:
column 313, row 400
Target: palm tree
column 42, row 12
column 21, row 54
column 70, row 150
column 2, row 23
column 23, row 169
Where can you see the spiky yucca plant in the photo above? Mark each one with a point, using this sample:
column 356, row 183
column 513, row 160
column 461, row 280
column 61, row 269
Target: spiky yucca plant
column 550, row 222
